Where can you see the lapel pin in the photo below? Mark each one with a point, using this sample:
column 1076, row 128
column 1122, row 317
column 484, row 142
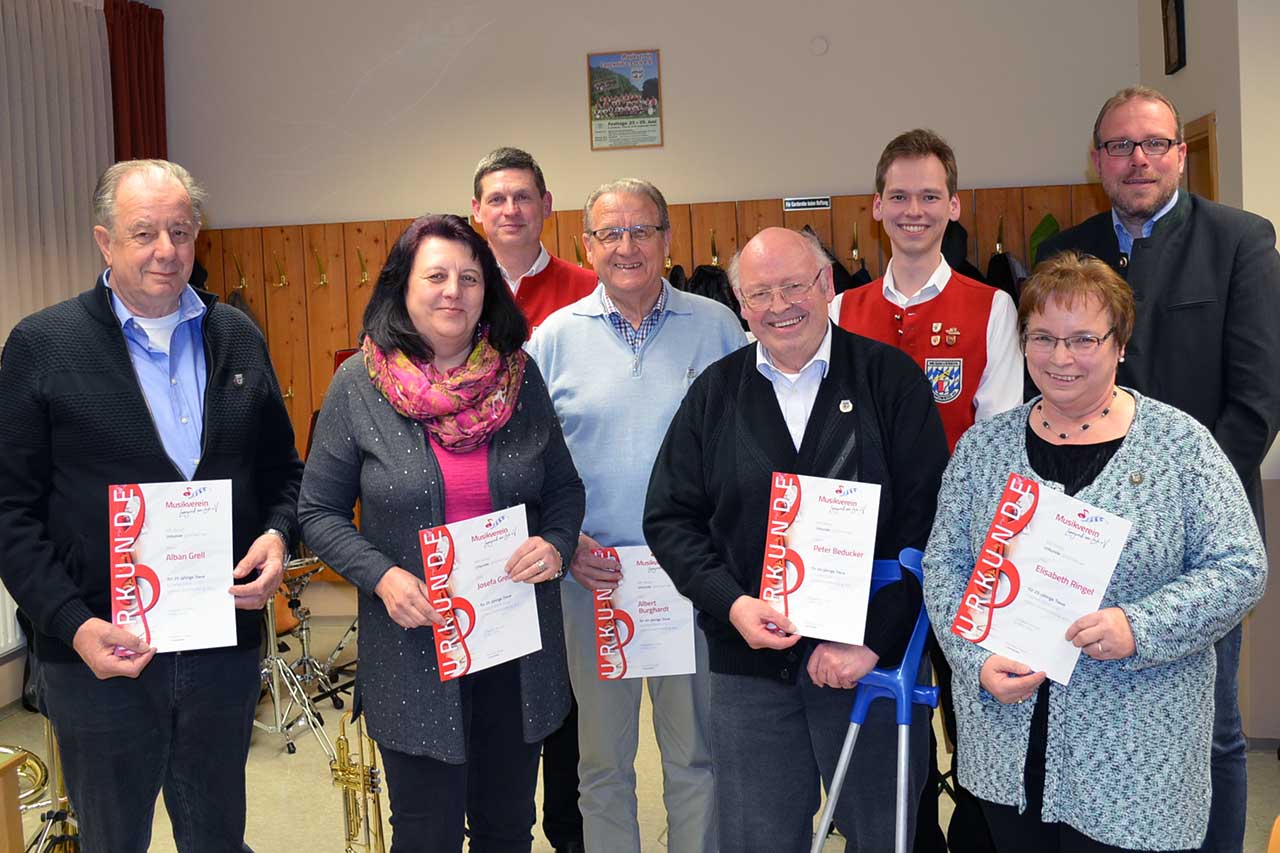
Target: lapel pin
column 1136, row 478
column 937, row 327
column 237, row 380
column 953, row 334
column 846, row 406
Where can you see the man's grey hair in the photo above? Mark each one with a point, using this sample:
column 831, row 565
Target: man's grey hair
column 811, row 240
column 629, row 186
column 1133, row 93
column 507, row 158
column 104, row 195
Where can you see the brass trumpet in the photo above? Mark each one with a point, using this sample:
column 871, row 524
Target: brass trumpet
column 357, row 774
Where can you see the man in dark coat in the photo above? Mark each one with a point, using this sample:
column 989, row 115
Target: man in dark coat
column 1206, row 279
column 142, row 379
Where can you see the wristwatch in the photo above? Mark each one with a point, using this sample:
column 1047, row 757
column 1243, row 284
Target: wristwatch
column 280, row 533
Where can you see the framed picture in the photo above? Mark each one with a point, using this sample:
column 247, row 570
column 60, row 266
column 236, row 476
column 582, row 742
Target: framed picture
column 624, row 99
column 1175, row 35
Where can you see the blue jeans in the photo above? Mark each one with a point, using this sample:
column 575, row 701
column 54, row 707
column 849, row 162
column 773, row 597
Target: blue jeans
column 1228, row 773
column 183, row 726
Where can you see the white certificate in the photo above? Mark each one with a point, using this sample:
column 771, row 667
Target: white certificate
column 171, row 563
column 1046, row 561
column 643, row 627
column 818, row 552
column 489, row 619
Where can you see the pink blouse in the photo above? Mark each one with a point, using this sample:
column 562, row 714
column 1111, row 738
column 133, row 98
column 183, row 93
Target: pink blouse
column 466, row 481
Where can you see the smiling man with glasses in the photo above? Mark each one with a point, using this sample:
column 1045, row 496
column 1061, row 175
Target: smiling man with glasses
column 808, row 398
column 1206, row 280
column 617, row 364
column 961, row 332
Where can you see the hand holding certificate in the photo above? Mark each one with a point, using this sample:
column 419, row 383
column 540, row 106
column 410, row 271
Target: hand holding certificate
column 171, row 563
column 643, row 627
column 1046, row 562
column 488, row 618
column 818, row 550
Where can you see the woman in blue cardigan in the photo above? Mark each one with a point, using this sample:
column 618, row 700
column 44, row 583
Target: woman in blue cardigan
column 1119, row 758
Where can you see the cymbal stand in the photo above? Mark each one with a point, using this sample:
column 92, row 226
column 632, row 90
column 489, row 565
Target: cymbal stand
column 280, row 679
column 310, row 671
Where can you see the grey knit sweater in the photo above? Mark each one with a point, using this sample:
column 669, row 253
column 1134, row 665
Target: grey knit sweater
column 1129, row 741
column 364, row 449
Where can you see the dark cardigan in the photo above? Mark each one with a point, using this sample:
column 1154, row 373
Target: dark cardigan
column 365, row 449
column 73, row 420
column 708, row 495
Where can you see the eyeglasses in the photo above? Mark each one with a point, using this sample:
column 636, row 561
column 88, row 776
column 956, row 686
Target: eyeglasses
column 639, row 233
column 1043, row 344
column 758, row 300
column 1154, row 147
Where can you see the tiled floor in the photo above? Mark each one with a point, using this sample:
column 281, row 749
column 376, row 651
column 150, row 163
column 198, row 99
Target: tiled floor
column 294, row 807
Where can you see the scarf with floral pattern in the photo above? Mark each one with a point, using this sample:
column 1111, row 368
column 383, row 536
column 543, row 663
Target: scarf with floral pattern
column 461, row 407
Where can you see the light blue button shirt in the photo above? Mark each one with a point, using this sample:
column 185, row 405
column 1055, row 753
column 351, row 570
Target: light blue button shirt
column 173, row 382
column 797, row 394
column 1126, row 239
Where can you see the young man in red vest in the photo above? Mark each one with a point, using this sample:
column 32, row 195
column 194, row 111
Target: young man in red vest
column 963, row 334
column 510, row 203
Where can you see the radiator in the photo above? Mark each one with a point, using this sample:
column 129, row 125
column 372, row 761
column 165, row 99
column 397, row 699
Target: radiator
column 10, row 636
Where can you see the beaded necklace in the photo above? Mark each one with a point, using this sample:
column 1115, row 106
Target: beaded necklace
column 1083, row 427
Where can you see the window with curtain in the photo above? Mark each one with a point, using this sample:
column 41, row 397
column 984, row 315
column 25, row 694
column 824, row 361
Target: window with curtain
column 55, row 139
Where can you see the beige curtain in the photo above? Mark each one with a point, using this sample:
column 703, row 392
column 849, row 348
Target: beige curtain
column 55, row 139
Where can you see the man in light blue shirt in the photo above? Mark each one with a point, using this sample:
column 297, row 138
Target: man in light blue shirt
column 617, row 364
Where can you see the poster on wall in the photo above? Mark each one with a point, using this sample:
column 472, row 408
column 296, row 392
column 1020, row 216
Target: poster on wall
column 624, row 99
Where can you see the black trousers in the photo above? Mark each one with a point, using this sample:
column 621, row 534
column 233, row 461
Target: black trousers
column 561, row 819
column 492, row 792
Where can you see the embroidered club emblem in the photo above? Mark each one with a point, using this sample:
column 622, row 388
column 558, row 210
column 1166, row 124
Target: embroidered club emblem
column 946, row 378
column 953, row 335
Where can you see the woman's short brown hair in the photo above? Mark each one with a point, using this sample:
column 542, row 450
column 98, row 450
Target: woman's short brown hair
column 1069, row 277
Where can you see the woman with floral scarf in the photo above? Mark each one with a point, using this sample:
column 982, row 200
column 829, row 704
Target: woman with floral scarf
column 442, row 418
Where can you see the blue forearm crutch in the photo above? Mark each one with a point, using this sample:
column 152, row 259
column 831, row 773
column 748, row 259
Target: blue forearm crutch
column 896, row 684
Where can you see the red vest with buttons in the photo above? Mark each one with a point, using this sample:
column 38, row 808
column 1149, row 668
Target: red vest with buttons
column 947, row 337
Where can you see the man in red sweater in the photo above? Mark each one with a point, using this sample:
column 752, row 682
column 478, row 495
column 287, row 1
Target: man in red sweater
column 510, row 203
column 963, row 334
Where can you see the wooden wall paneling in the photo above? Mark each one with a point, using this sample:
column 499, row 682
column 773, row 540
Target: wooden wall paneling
column 681, row 249
column 969, row 219
column 209, row 254
column 721, row 216
column 551, row 238
column 324, row 260
column 753, row 217
column 845, row 211
column 991, row 205
column 242, row 271
column 818, row 220
column 364, row 252
column 569, row 229
column 283, row 267
column 396, row 227
column 1087, row 200
column 1037, row 202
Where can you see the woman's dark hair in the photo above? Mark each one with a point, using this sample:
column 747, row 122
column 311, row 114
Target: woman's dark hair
column 386, row 320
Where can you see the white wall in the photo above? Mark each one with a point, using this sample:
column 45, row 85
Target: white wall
column 320, row 111
column 1210, row 82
